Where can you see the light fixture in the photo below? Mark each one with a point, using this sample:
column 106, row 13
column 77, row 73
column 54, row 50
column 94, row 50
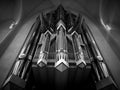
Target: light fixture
column 13, row 25
column 106, row 26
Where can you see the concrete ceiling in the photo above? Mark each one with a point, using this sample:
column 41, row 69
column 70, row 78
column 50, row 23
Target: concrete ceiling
column 94, row 9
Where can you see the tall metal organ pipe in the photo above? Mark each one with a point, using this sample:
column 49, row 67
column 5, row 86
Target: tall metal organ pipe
column 31, row 53
column 61, row 41
column 21, row 59
column 97, row 57
column 61, row 51
column 78, row 51
column 44, row 51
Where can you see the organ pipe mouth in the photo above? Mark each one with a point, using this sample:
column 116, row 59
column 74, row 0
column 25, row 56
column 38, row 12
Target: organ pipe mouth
column 42, row 62
column 81, row 62
column 61, row 24
column 61, row 64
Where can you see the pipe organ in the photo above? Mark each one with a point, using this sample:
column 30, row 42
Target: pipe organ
column 59, row 47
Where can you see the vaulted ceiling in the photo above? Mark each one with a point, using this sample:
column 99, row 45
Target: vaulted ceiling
column 94, row 9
